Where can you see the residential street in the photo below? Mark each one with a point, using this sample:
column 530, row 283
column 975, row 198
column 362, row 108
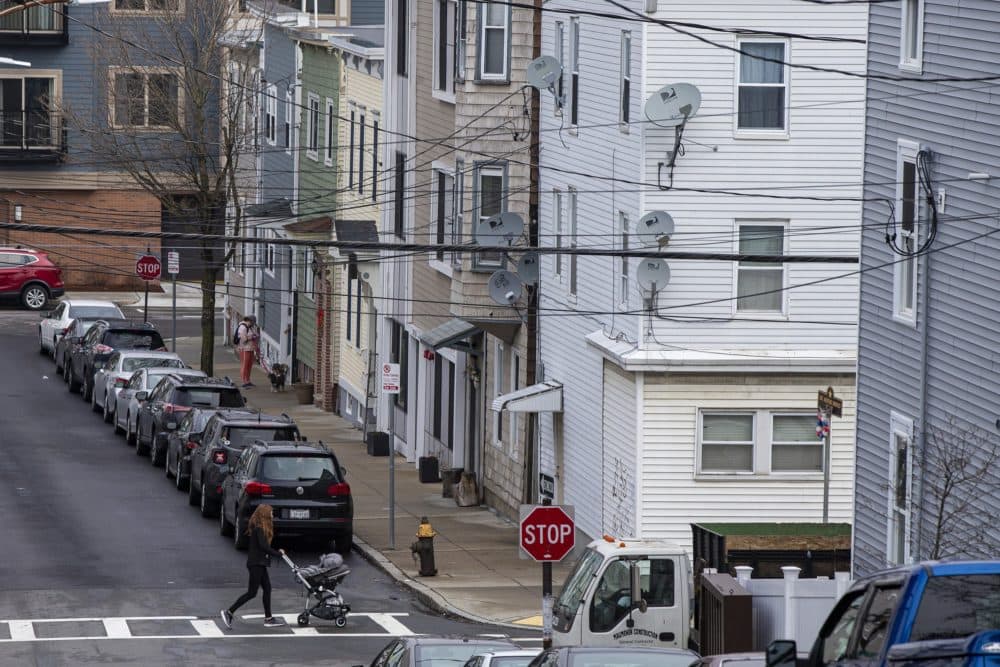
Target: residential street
column 106, row 563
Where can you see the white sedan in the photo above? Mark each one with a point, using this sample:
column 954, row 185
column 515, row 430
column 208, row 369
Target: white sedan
column 127, row 405
column 116, row 372
column 55, row 321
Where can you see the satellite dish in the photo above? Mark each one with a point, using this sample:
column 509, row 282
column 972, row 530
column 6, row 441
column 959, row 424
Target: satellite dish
column 543, row 72
column 673, row 104
column 655, row 228
column 499, row 228
column 505, row 287
column 527, row 268
column 653, row 273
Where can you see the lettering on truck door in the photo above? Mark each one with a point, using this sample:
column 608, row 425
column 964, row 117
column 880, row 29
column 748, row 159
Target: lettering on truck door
column 608, row 613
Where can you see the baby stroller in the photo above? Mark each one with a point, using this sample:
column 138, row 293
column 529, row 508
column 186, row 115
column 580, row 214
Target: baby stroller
column 321, row 582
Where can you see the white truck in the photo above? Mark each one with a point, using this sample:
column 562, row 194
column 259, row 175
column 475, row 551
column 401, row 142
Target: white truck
column 625, row 593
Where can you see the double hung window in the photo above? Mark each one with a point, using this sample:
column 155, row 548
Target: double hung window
column 762, row 95
column 760, row 285
column 494, row 41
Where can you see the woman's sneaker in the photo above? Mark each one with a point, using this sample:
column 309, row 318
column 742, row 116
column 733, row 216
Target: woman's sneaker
column 227, row 619
column 273, row 622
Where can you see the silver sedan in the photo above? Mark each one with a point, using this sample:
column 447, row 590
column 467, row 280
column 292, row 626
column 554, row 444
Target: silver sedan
column 116, row 372
column 126, row 403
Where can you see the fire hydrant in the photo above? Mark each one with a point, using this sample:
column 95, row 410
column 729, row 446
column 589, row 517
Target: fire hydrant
column 424, row 548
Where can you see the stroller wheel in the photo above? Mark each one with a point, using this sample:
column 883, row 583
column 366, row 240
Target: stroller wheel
column 303, row 619
column 341, row 621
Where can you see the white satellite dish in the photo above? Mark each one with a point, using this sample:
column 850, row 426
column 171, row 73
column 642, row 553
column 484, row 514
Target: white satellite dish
column 505, row 287
column 527, row 268
column 543, row 72
column 655, row 228
column 500, row 228
column 673, row 104
column 653, row 273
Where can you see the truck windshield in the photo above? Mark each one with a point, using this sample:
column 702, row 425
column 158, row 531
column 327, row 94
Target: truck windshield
column 576, row 585
column 957, row 606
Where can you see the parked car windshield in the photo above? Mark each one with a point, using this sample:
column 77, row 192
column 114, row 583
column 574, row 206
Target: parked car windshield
column 96, row 312
column 957, row 606
column 576, row 585
column 446, row 655
column 238, row 436
column 622, row 657
column 291, row 468
column 135, row 363
column 206, row 397
column 131, row 340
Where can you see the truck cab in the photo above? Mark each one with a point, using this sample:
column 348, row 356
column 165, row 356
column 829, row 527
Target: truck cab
column 625, row 593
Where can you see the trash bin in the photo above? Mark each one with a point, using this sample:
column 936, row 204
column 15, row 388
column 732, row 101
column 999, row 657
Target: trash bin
column 378, row 443
column 428, row 467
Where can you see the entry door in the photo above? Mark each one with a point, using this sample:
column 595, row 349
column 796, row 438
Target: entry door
column 661, row 625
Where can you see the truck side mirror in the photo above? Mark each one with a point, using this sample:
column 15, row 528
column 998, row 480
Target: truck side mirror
column 781, row 653
column 636, row 592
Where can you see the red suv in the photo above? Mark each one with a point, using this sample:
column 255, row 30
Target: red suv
column 29, row 276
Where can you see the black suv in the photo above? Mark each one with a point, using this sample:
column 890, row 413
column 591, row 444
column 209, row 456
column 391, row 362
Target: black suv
column 304, row 484
column 181, row 443
column 102, row 338
column 224, row 437
column 173, row 396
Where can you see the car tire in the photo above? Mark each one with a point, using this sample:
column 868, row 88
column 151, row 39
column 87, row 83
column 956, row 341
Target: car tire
column 93, row 401
column 86, row 390
column 52, row 350
column 156, row 457
column 166, row 465
column 72, row 384
column 41, row 344
column 225, row 527
column 59, row 367
column 140, row 448
column 180, row 481
column 130, row 437
column 34, row 296
column 114, row 422
column 206, row 509
column 342, row 543
column 193, row 498
column 240, row 537
column 107, row 415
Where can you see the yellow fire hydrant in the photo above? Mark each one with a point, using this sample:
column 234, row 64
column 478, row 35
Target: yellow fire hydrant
column 424, row 548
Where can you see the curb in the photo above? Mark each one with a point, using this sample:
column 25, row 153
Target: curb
column 425, row 593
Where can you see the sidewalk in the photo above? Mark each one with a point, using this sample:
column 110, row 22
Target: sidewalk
column 188, row 296
column 480, row 574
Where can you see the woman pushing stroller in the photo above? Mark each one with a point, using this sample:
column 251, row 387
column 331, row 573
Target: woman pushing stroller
column 261, row 531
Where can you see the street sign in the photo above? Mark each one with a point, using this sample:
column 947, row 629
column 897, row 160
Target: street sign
column 390, row 378
column 829, row 403
column 173, row 262
column 148, row 267
column 546, row 485
column 547, row 533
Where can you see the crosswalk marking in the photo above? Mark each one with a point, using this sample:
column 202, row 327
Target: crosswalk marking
column 21, row 631
column 390, row 624
column 291, row 620
column 116, row 628
column 207, row 628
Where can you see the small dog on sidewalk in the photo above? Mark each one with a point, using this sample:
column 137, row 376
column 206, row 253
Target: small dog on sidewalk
column 277, row 375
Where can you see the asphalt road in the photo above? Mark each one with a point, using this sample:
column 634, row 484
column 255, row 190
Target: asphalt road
column 104, row 562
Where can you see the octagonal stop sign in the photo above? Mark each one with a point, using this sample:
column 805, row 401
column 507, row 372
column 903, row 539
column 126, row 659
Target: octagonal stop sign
column 547, row 533
column 148, row 267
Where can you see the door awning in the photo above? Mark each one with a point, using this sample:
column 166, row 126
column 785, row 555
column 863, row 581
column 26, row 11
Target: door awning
column 542, row 397
column 449, row 333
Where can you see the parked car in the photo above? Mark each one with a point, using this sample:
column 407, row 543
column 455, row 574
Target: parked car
column 69, row 343
column 225, row 436
column 118, row 369
column 616, row 656
column 181, row 443
column 103, row 338
column 502, row 658
column 127, row 403
column 304, row 484
column 176, row 394
column 430, row 651
column 30, row 277
column 56, row 322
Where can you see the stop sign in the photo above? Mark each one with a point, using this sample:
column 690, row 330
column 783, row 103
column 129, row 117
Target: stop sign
column 547, row 533
column 148, row 267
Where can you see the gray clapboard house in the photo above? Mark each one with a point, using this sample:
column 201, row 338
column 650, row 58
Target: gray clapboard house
column 928, row 390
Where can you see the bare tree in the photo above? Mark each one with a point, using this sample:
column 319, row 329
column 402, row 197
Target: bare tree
column 958, row 474
column 180, row 115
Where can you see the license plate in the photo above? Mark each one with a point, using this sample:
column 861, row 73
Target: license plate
column 298, row 514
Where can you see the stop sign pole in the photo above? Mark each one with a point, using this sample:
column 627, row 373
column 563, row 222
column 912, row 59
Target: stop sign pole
column 547, row 534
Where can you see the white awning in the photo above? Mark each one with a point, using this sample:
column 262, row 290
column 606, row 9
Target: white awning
column 542, row 397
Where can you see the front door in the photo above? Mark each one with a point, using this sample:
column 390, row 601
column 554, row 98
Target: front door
column 610, row 607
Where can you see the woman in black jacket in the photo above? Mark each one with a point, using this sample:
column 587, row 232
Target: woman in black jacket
column 261, row 531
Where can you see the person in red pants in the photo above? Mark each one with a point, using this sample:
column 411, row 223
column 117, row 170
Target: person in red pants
column 248, row 346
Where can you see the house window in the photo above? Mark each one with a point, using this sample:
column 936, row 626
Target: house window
column 494, row 29
column 911, row 39
column 28, row 20
column 727, row 442
column 269, row 252
column 375, row 149
column 399, row 218
column 442, row 209
column 625, row 86
column 402, row 37
column 147, row 5
column 572, row 241
column 459, row 215
column 759, row 441
column 490, row 190
column 794, row 445
column 289, row 110
column 330, row 124
column 361, row 152
column 26, row 118
column 559, row 47
column 146, row 99
column 461, row 16
column 352, row 275
column 763, row 86
column 444, row 46
column 911, row 214
column 352, row 116
column 623, row 276
column 760, row 285
column 557, row 220
column 439, row 398
column 310, row 275
column 312, row 127
column 499, row 374
column 900, row 476
column 574, row 70
column 271, row 114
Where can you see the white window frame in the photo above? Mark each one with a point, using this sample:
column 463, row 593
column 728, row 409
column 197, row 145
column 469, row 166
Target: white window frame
column 459, row 201
column 271, row 114
column 362, row 111
column 145, row 72
column 754, row 444
column 623, row 270
column 763, row 427
column 352, row 115
column 309, row 278
column 574, row 73
column 442, row 264
column 330, row 144
column 487, row 169
column 446, row 94
column 625, row 83
column 312, row 126
column 482, row 15
column 573, row 205
column 911, row 19
column 777, row 314
column 557, row 230
column 499, row 374
column 814, row 440
column 904, row 268
column 376, row 130
column 559, row 48
column 899, row 426
column 759, row 132
column 289, row 125
column 269, row 235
